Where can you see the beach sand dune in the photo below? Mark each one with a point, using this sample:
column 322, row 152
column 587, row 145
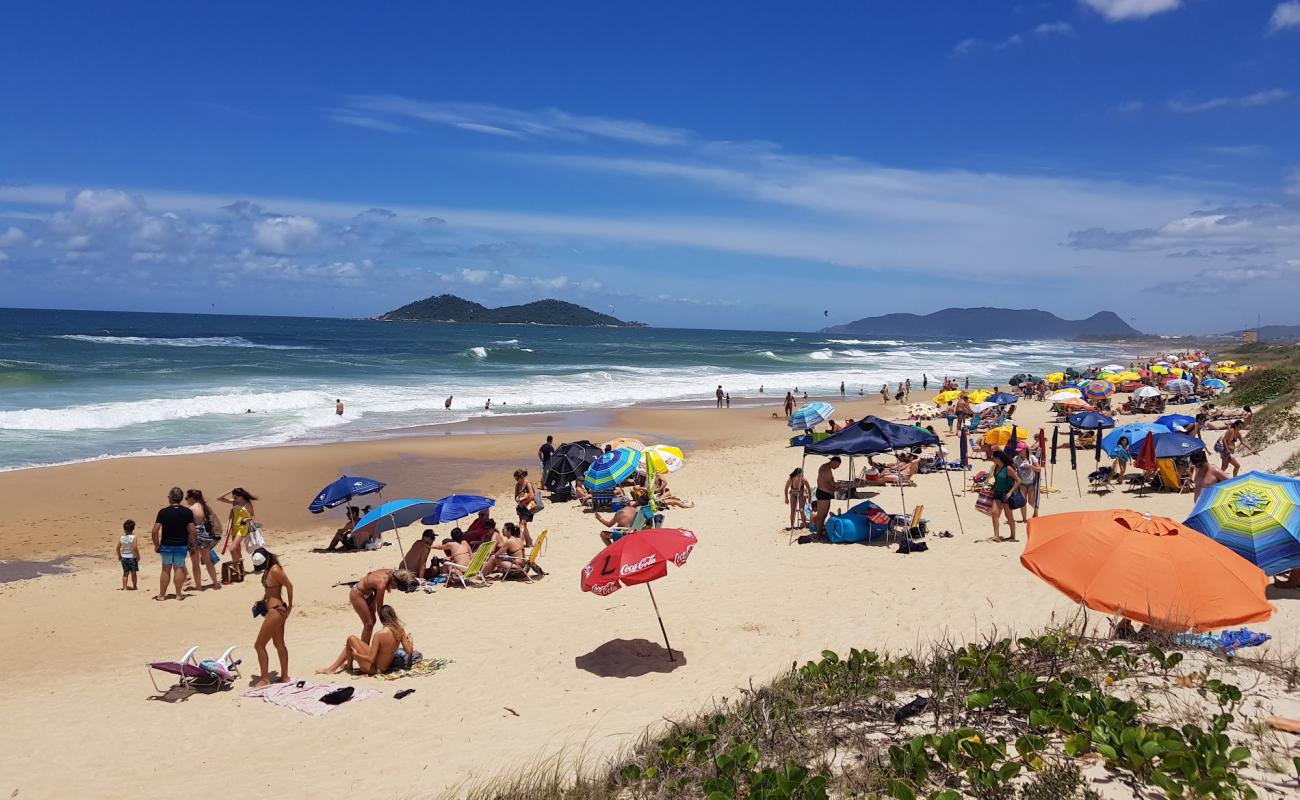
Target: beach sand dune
column 536, row 669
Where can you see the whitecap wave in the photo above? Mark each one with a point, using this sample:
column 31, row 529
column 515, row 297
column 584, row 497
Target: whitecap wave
column 821, row 355
column 507, row 342
column 894, row 342
column 181, row 341
column 477, row 352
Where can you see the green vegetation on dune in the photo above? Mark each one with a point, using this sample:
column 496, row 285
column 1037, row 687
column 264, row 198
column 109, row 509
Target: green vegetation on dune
column 1272, row 390
column 1002, row 719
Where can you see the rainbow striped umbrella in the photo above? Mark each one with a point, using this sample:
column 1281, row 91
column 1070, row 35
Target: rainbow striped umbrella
column 1097, row 389
column 1257, row 516
column 612, row 468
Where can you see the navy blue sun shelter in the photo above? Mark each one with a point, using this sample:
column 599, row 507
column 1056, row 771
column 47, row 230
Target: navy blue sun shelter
column 872, row 435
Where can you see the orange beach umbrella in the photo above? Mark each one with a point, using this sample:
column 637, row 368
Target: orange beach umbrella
column 1146, row 568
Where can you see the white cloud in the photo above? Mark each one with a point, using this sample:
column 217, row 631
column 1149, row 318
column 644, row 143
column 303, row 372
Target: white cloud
column 495, row 280
column 970, row 45
column 495, row 120
column 1286, row 15
column 285, row 235
column 1128, row 107
column 1117, row 10
column 1267, row 97
column 12, row 237
column 369, row 123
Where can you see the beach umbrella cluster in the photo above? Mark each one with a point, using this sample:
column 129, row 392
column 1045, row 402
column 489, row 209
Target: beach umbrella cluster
column 569, row 463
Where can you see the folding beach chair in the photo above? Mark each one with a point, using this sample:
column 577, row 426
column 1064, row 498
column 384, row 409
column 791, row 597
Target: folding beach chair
column 522, row 566
column 474, row 570
column 901, row 526
column 207, row 674
column 602, row 500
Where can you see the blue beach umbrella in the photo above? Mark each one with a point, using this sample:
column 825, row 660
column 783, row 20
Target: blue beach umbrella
column 1135, row 431
column 612, row 468
column 343, row 490
column 810, row 416
column 1091, row 421
column 1214, row 383
column 457, row 506
column 1003, row 399
column 393, row 515
column 1176, row 422
column 1169, row 445
column 1257, row 516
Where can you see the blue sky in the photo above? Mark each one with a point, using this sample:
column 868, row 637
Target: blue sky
column 729, row 164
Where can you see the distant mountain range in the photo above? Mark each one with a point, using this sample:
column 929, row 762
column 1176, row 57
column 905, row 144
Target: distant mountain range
column 1273, row 333
column 997, row 323
column 450, row 308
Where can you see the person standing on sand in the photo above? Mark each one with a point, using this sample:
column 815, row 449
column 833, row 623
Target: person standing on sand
column 275, row 612
column 789, row 405
column 825, row 492
column 1029, row 470
column 338, row 407
column 719, row 394
column 727, row 399
column 173, row 536
column 907, row 389
column 128, row 553
column 1006, row 485
column 967, row 387
column 367, row 595
column 208, row 532
column 925, row 382
column 547, row 450
column 797, row 495
column 241, row 518
column 526, row 504
column 898, row 396
column 1226, row 447
column 841, row 390
column 884, row 393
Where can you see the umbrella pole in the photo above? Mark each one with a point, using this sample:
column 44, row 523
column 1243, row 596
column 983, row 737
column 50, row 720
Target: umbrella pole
column 400, row 549
column 662, row 629
column 960, row 526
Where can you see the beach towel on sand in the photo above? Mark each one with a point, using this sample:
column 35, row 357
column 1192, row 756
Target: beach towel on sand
column 426, row 667
column 305, row 699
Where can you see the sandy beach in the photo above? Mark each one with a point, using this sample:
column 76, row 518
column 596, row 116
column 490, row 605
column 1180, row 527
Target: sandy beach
column 536, row 669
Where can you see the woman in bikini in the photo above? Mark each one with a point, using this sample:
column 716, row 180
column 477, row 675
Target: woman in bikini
column 797, row 495
column 1227, row 447
column 376, row 656
column 367, row 595
column 241, row 516
column 274, row 610
column 208, row 533
column 525, row 504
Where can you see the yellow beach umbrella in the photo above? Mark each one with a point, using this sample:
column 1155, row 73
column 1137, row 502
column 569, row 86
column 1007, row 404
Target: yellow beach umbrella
column 1159, row 370
column 1109, row 376
column 946, row 397
column 979, row 395
column 1128, row 376
column 1001, row 435
column 1227, row 363
column 1054, row 377
column 664, row 458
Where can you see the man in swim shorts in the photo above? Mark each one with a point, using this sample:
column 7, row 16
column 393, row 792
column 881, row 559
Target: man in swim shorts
column 825, row 492
column 173, row 536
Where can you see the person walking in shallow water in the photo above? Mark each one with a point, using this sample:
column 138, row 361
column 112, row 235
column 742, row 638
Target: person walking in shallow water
column 719, row 394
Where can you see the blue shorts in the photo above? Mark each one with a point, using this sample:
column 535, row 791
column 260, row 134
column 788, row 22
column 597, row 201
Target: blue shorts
column 174, row 555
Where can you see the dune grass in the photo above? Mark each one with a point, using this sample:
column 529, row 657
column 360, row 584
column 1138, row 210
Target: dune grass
column 1038, row 717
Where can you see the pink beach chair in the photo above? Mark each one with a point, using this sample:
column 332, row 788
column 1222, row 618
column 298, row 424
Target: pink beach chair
column 206, row 674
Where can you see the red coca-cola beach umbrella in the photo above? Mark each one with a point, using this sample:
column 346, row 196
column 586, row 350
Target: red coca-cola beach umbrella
column 639, row 557
column 1146, row 457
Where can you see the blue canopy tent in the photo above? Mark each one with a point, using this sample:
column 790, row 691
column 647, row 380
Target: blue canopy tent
column 456, row 506
column 872, row 435
column 343, row 490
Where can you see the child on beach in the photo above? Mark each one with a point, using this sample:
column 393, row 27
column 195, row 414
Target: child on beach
column 128, row 552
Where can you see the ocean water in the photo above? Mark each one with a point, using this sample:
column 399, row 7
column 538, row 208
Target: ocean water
column 78, row 385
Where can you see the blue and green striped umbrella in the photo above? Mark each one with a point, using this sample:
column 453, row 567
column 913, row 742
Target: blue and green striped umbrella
column 1257, row 515
column 612, row 468
column 810, row 416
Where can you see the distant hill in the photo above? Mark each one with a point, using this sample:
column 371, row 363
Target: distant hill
column 1273, row 333
column 450, row 308
column 997, row 323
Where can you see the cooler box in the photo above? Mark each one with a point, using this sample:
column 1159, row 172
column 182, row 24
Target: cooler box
column 861, row 523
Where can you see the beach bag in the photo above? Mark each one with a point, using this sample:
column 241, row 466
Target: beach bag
column 537, row 504
column 254, row 539
column 231, row 573
column 984, row 503
column 1017, row 500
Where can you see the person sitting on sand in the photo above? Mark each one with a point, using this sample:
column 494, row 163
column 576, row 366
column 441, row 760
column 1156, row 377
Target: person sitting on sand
column 417, row 558
column 375, row 656
column 274, row 609
column 665, row 497
column 367, row 594
column 343, row 539
column 481, row 528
